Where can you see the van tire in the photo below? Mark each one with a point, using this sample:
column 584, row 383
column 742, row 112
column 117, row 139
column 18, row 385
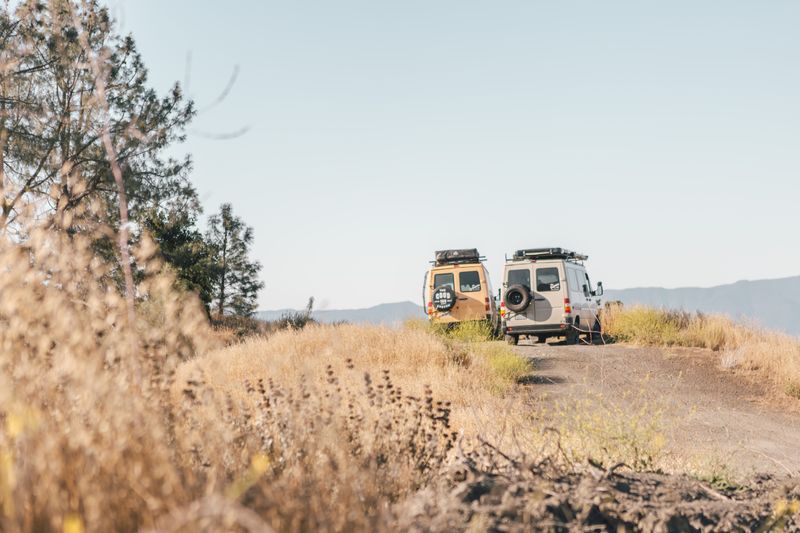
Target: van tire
column 597, row 332
column 573, row 335
column 512, row 339
column 524, row 298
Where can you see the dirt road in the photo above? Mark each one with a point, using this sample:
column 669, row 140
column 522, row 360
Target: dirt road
column 715, row 415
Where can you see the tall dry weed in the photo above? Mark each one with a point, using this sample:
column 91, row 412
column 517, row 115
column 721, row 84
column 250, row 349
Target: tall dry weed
column 83, row 391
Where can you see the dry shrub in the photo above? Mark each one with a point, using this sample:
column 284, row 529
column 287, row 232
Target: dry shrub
column 774, row 355
column 468, row 375
column 324, row 456
column 641, row 325
column 82, row 391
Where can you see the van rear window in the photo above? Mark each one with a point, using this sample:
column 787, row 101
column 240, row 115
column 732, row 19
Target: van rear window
column 440, row 280
column 547, row 279
column 469, row 281
column 520, row 277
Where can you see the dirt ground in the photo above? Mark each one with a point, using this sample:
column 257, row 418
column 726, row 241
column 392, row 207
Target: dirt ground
column 718, row 416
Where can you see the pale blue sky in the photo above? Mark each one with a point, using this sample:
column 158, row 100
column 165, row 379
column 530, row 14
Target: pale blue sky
column 660, row 138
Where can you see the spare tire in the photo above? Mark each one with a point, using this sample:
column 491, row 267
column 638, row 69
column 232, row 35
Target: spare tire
column 518, row 298
column 444, row 298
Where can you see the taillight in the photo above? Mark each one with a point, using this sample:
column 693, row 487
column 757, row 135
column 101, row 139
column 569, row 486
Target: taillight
column 487, row 304
column 430, row 308
column 502, row 309
column 567, row 306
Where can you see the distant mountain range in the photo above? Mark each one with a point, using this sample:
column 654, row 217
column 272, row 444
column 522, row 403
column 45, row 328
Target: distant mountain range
column 388, row 314
column 772, row 303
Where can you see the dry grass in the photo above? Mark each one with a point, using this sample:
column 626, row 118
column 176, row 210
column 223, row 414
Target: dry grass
column 471, row 376
column 107, row 425
column 774, row 355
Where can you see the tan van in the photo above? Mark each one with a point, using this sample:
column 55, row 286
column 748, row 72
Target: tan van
column 547, row 293
column 457, row 289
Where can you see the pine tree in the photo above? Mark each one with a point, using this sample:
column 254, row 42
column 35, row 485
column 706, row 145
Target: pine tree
column 236, row 283
column 185, row 250
column 53, row 121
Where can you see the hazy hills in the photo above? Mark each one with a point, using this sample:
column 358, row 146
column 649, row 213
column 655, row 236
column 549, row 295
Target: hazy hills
column 773, row 303
column 389, row 314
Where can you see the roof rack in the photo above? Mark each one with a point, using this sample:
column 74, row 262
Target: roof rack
column 452, row 257
column 548, row 253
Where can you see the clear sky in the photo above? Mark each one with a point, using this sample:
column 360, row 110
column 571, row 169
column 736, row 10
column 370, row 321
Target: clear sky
column 660, row 138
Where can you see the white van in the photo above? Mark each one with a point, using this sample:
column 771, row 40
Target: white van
column 547, row 293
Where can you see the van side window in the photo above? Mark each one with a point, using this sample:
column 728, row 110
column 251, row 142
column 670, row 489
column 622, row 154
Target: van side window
column 520, row 277
column 547, row 279
column 469, row 281
column 589, row 290
column 574, row 281
column 440, row 280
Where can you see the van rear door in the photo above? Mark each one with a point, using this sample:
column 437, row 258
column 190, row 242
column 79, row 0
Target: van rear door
column 548, row 296
column 470, row 294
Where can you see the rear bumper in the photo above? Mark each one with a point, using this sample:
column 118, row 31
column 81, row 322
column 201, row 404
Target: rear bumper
column 534, row 329
column 450, row 321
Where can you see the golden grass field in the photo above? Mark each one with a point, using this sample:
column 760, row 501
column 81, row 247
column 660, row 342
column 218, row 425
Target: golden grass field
column 158, row 426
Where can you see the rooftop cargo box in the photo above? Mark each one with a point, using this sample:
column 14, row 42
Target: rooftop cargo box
column 451, row 257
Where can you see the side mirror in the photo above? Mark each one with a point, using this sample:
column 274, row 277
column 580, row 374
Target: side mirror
column 599, row 290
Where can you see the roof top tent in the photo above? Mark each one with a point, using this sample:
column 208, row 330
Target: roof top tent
column 548, row 253
column 452, row 257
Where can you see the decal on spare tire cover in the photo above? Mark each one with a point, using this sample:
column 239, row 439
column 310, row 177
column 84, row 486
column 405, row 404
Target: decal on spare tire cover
column 444, row 298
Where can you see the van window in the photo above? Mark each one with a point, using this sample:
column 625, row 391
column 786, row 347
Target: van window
column 440, row 280
column 520, row 277
column 469, row 281
column 547, row 279
column 575, row 281
column 589, row 290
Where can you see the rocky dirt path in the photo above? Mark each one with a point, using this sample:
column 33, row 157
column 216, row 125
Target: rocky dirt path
column 716, row 415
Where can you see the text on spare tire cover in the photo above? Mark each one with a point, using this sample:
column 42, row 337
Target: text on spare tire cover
column 444, row 298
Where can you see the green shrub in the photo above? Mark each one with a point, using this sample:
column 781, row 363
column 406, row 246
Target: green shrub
column 507, row 367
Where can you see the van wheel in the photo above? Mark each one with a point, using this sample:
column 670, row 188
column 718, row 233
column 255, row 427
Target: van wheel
column 512, row 339
column 572, row 337
column 597, row 332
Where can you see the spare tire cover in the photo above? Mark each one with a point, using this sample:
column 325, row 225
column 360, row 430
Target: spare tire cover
column 518, row 298
column 444, row 298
